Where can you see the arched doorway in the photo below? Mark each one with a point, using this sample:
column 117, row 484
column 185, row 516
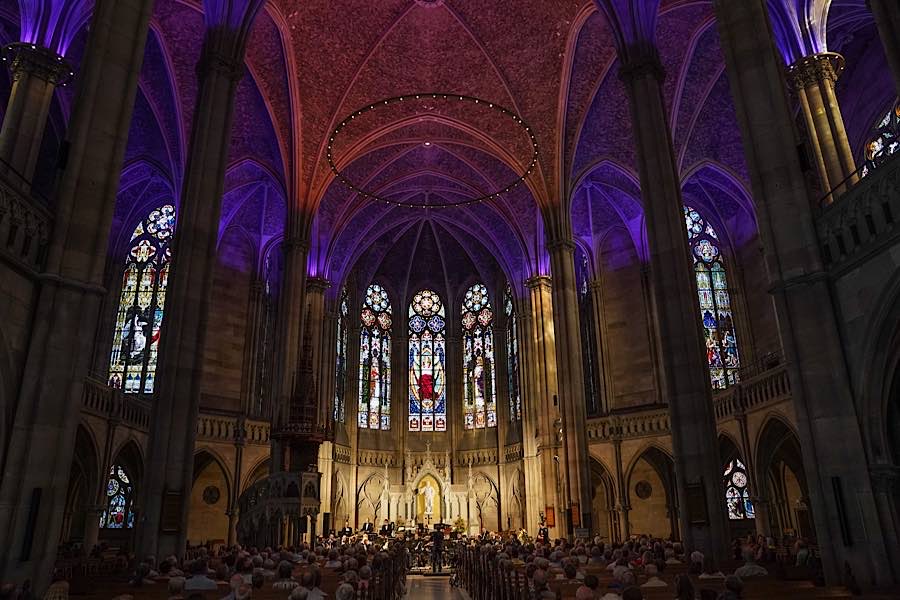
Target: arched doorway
column 651, row 495
column 210, row 501
column 783, row 481
column 603, row 502
column 82, row 491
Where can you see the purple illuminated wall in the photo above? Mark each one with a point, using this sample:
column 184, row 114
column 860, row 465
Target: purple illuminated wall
column 53, row 24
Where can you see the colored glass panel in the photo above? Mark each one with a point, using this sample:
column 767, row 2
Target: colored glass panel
column 374, row 409
column 133, row 361
column 427, row 363
column 884, row 143
column 722, row 355
column 119, row 512
column 737, row 494
column 480, row 408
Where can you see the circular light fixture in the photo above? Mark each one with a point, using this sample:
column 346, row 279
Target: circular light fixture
column 455, row 98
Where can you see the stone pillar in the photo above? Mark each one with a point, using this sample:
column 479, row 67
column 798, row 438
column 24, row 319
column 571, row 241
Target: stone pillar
column 539, row 443
column 290, row 330
column 240, row 435
column 623, row 504
column 833, row 451
column 39, row 454
column 683, row 375
column 887, row 19
column 36, row 71
column 604, row 371
column 812, row 79
column 315, row 297
column 256, row 315
column 177, row 400
column 571, row 378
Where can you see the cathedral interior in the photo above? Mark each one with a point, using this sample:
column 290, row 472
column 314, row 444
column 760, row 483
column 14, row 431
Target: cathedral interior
column 272, row 268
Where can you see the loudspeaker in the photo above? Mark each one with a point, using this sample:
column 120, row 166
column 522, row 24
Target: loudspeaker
column 326, row 523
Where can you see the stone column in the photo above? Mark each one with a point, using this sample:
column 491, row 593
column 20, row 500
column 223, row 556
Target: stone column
column 604, row 385
column 539, row 443
column 812, row 79
column 290, row 327
column 571, row 378
column 887, row 19
column 239, row 443
column 683, row 375
column 315, row 295
column 256, row 314
column 833, row 451
column 177, row 400
column 39, row 454
column 36, row 71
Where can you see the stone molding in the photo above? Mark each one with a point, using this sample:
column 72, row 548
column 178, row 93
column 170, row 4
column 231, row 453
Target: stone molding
column 37, row 61
column 24, row 227
column 812, row 70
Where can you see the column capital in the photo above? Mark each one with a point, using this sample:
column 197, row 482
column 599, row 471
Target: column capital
column 645, row 64
column 37, row 61
column 538, row 281
column 317, row 284
column 295, row 243
column 815, row 69
column 561, row 244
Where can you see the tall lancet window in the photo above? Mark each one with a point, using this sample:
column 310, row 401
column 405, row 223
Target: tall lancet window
column 427, row 360
column 340, row 364
column 737, row 494
column 119, row 500
column 512, row 356
column 588, row 336
column 375, row 360
column 478, row 359
column 885, row 140
column 132, row 364
column 715, row 301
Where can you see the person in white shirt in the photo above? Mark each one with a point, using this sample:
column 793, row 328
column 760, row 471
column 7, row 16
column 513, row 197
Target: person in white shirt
column 750, row 568
column 199, row 580
column 653, row 579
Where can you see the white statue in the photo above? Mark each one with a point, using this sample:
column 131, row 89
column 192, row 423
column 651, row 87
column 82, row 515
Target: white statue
column 428, row 492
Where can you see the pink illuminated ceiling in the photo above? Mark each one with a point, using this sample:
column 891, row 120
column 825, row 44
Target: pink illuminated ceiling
column 311, row 63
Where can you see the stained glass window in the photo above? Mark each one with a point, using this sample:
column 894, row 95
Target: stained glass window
column 885, row 141
column 512, row 356
column 375, row 360
column 427, row 360
column 480, row 409
column 588, row 335
column 340, row 367
column 715, row 301
column 737, row 494
column 119, row 500
column 132, row 365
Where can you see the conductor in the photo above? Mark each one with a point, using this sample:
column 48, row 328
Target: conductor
column 437, row 550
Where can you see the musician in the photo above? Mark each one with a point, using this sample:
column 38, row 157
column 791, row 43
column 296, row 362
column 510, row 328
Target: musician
column 347, row 530
column 544, row 534
column 387, row 529
column 368, row 527
column 437, row 551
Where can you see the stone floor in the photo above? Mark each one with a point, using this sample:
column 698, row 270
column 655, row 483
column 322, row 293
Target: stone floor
column 431, row 588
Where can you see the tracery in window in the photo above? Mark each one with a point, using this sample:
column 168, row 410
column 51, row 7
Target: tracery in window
column 737, row 494
column 427, row 361
column 375, row 360
column 340, row 367
column 885, row 141
column 119, row 500
column 132, row 364
column 512, row 356
column 480, row 408
column 715, row 301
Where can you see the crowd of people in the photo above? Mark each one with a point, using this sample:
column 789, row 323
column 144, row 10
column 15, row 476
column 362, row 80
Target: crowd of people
column 626, row 571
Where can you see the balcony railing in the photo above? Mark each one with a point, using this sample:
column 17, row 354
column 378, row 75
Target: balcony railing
column 24, row 226
column 770, row 387
column 863, row 218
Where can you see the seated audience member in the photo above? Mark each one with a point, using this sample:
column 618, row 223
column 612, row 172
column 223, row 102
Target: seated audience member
column 653, row 580
column 750, row 568
column 142, row 576
column 234, row 586
column 696, row 566
column 633, row 593
column 199, row 580
column 345, row 591
column 285, row 581
column 176, row 588
column 710, row 572
column 299, row 593
column 684, row 588
column 734, row 585
column 258, row 579
column 333, row 560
